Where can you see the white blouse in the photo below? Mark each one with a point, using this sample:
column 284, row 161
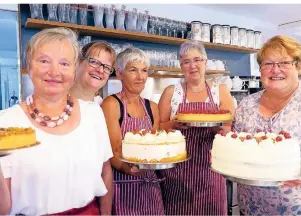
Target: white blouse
column 98, row 100
column 64, row 171
column 178, row 95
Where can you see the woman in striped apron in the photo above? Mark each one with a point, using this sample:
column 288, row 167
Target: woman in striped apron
column 192, row 188
column 136, row 192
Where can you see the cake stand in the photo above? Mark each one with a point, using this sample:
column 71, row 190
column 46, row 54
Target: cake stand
column 259, row 182
column 203, row 124
column 4, row 152
column 155, row 166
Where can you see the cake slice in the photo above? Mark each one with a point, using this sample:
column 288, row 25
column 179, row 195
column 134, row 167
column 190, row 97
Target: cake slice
column 15, row 137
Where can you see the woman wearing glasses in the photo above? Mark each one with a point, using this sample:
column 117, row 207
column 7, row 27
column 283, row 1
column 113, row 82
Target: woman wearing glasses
column 96, row 65
column 192, row 188
column 136, row 192
column 274, row 109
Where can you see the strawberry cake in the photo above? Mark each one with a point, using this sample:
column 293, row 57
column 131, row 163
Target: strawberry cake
column 154, row 146
column 205, row 116
column 263, row 155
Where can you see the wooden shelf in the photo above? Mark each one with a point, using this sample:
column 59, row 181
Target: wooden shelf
column 169, row 72
column 128, row 35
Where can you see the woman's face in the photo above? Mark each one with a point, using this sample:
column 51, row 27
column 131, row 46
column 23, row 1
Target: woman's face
column 52, row 68
column 279, row 77
column 193, row 65
column 134, row 76
column 91, row 73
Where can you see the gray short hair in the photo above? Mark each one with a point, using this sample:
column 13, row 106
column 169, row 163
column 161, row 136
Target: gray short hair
column 128, row 55
column 48, row 36
column 192, row 44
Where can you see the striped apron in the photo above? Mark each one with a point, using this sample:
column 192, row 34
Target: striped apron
column 136, row 195
column 191, row 188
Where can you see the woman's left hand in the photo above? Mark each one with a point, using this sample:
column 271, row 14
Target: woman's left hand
column 292, row 183
column 216, row 129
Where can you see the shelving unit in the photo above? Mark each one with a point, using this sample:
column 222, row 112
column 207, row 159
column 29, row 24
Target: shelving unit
column 128, row 35
column 176, row 72
column 242, row 90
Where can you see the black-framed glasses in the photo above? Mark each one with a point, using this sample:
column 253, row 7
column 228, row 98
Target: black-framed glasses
column 96, row 64
column 281, row 65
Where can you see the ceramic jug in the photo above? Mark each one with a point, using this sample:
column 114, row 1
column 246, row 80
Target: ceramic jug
column 237, row 83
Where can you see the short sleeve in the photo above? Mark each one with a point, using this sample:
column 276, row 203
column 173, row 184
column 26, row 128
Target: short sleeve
column 6, row 166
column 11, row 117
column 103, row 131
column 239, row 116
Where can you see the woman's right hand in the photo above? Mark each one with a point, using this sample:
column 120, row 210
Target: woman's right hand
column 178, row 125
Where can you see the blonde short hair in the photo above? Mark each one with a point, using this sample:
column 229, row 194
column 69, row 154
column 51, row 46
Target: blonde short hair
column 129, row 55
column 48, row 36
column 93, row 48
column 283, row 45
column 192, row 45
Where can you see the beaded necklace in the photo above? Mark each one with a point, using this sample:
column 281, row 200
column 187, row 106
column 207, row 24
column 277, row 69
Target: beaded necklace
column 45, row 120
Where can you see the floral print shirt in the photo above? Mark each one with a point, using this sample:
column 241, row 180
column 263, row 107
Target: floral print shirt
column 269, row 200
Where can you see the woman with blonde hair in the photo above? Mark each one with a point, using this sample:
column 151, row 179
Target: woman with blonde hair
column 96, row 64
column 192, row 188
column 70, row 169
column 276, row 108
column 136, row 192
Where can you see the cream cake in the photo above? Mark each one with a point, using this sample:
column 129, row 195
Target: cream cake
column 154, row 146
column 263, row 155
column 205, row 116
column 14, row 138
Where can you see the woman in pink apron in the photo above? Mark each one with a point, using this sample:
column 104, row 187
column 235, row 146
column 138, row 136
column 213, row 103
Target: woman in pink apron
column 136, row 192
column 192, row 188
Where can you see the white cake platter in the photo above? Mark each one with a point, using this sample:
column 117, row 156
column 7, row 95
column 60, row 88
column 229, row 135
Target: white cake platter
column 5, row 152
column 202, row 124
column 259, row 182
column 155, row 166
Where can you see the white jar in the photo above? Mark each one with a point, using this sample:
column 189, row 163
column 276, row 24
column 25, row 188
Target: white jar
column 196, row 30
column 226, row 34
column 242, row 37
column 217, row 33
column 206, row 32
column 234, row 35
column 257, row 36
column 250, row 38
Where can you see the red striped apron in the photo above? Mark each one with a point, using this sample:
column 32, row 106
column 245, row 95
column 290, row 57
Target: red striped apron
column 136, row 195
column 192, row 188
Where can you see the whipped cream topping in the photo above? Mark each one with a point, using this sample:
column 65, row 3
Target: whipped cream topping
column 154, row 137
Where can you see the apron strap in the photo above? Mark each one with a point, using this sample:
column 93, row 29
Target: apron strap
column 125, row 114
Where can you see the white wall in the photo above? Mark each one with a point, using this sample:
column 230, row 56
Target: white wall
column 12, row 7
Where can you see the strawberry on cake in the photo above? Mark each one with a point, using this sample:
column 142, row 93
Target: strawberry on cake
column 205, row 116
column 263, row 155
column 154, row 146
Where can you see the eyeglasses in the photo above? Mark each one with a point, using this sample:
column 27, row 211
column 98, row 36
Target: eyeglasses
column 281, row 65
column 197, row 61
column 96, row 64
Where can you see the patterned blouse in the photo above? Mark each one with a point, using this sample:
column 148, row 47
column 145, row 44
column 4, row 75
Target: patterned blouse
column 269, row 200
column 178, row 95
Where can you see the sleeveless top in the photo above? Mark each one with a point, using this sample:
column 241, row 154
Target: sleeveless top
column 147, row 106
column 178, row 96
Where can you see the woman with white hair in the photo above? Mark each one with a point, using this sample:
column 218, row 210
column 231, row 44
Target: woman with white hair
column 192, row 188
column 136, row 192
column 69, row 170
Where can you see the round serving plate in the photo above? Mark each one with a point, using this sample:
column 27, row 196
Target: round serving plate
column 256, row 181
column 4, row 152
column 201, row 124
column 155, row 166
